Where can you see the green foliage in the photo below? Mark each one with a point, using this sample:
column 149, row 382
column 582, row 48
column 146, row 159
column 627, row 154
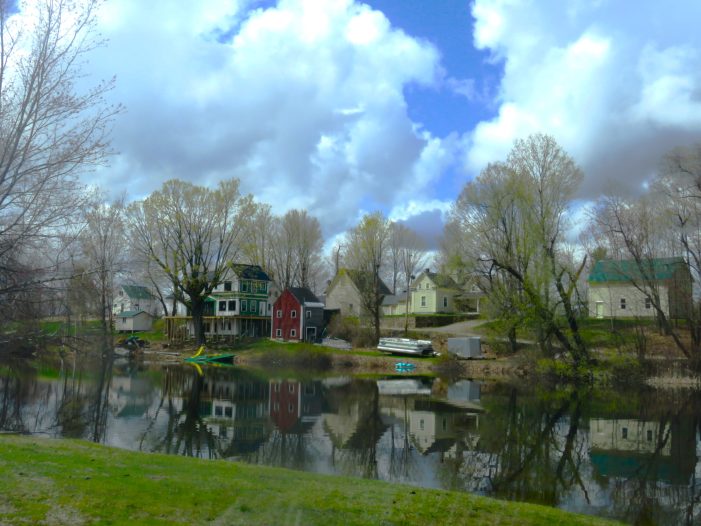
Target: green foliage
column 349, row 329
column 71, row 482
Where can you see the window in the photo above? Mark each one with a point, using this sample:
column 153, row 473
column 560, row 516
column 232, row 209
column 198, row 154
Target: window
column 293, row 333
column 290, row 408
column 293, row 314
column 309, row 314
column 623, row 304
column 649, row 435
column 624, row 432
column 276, row 387
column 232, row 305
column 227, row 286
column 222, row 306
column 291, row 388
column 228, row 411
column 244, row 286
column 279, row 313
column 124, row 321
column 218, row 410
column 423, row 301
column 445, row 301
column 244, row 306
column 648, row 303
column 278, row 333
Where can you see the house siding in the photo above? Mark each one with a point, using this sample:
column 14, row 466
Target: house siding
column 344, row 296
column 424, row 286
column 287, row 303
column 610, row 295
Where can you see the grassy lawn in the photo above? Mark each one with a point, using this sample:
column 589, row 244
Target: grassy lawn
column 74, row 482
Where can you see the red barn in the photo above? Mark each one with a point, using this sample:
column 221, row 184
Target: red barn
column 298, row 315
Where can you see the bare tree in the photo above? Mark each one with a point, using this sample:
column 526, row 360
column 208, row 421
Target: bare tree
column 296, row 249
column 103, row 243
column 407, row 254
column 50, row 131
column 366, row 253
column 192, row 233
column 259, row 239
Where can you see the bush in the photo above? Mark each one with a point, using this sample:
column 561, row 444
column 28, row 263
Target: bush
column 349, row 329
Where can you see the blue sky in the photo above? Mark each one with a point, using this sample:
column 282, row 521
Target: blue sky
column 342, row 107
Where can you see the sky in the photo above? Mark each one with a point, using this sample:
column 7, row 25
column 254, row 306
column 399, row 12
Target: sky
column 343, row 107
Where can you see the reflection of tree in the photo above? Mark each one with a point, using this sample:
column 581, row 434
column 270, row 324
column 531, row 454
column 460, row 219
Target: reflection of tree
column 186, row 432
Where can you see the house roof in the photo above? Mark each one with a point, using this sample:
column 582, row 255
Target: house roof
column 137, row 292
column 394, row 299
column 359, row 278
column 610, row 270
column 131, row 313
column 303, row 295
column 442, row 281
column 249, row 271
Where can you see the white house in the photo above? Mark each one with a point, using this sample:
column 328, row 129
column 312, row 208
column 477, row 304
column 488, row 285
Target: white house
column 618, row 288
column 135, row 298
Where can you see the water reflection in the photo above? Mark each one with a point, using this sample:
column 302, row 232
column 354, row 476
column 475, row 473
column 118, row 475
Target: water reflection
column 632, row 456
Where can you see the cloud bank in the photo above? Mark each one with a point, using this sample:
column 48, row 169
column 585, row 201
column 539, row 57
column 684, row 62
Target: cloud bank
column 303, row 101
column 617, row 85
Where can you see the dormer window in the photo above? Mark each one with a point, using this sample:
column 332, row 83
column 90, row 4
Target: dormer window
column 227, row 286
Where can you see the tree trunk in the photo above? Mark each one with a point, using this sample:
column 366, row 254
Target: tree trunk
column 198, row 320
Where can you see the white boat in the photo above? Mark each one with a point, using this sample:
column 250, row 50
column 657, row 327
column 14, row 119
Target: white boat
column 406, row 346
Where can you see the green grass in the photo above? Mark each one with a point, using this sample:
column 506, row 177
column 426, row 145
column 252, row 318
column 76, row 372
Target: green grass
column 74, row 482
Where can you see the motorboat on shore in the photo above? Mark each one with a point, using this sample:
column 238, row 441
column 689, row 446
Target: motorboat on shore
column 406, row 346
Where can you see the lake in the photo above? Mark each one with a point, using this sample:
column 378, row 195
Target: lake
column 631, row 455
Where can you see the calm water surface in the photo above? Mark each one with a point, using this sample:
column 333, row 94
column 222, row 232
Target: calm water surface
column 633, row 456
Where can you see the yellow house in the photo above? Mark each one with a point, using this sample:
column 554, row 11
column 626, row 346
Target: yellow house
column 433, row 293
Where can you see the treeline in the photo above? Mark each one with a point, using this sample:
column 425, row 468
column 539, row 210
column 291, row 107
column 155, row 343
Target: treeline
column 514, row 227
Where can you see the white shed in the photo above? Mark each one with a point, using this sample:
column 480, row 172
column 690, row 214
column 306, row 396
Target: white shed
column 133, row 320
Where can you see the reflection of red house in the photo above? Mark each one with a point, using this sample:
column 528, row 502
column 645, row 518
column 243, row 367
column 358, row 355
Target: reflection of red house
column 285, row 404
column 297, row 315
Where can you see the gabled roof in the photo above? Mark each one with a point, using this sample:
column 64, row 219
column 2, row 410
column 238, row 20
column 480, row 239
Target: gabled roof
column 359, row 278
column 137, row 292
column 442, row 281
column 610, row 270
column 249, row 271
column 131, row 313
column 394, row 299
column 303, row 295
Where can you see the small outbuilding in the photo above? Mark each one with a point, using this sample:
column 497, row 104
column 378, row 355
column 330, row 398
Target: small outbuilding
column 133, row 320
column 298, row 315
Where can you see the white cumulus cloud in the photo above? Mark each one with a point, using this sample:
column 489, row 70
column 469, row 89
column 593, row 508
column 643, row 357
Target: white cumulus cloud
column 616, row 86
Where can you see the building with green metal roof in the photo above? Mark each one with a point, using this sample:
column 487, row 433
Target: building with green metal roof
column 625, row 288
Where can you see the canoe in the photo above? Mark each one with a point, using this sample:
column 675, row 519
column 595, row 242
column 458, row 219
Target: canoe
column 201, row 357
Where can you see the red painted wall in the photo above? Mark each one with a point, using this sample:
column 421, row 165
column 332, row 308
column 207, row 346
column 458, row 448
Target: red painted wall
column 287, row 303
column 284, row 404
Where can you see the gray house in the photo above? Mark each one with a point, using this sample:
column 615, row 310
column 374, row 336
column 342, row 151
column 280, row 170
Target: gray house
column 343, row 293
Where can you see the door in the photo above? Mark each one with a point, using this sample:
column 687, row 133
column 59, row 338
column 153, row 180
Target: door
column 311, row 334
column 599, row 309
column 261, row 308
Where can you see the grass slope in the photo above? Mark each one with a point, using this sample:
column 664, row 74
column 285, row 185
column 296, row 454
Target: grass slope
column 75, row 482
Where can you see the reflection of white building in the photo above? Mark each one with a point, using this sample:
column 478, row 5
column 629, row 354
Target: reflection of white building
column 627, row 435
column 129, row 396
